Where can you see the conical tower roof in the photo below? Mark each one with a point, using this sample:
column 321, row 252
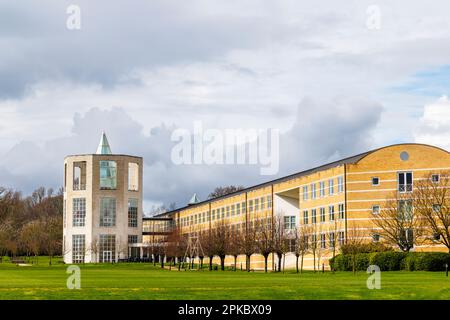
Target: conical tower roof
column 194, row 199
column 103, row 146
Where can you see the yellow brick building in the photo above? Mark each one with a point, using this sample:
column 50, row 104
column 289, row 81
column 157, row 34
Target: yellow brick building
column 333, row 200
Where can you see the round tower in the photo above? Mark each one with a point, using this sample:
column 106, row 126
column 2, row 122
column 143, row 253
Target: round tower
column 102, row 206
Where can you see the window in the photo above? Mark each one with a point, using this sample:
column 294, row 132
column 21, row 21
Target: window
column 436, row 208
column 108, row 175
column 305, row 217
column 305, row 193
column 435, row 178
column 323, row 241
column 133, row 176
column 376, row 237
column 331, row 187
column 107, row 212
column 375, row 209
column 250, row 204
column 375, row 181
column 289, row 222
column 133, row 251
column 78, row 212
column 331, row 213
column 132, row 213
column 405, row 182
column 79, row 175
column 262, row 203
column 244, row 207
column 405, row 210
column 313, row 216
column 341, row 212
column 238, row 209
column 223, row 213
column 107, row 248
column 313, row 191
column 340, row 184
column 213, row 217
column 322, row 188
column 256, row 204
column 78, row 248
column 269, row 201
column 232, row 210
column 332, row 239
column 341, row 238
column 322, row 214
column 228, row 211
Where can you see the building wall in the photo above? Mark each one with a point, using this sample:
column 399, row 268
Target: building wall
column 357, row 196
column 92, row 229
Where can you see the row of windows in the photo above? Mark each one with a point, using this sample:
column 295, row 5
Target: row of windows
column 228, row 211
column 323, row 188
column 107, row 175
column 107, row 212
column 323, row 214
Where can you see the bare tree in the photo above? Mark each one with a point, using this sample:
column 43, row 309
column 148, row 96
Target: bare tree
column 432, row 205
column 207, row 241
column 235, row 245
column 248, row 245
column 301, row 245
column 221, row 236
column 353, row 243
column 52, row 236
column 264, row 238
column 280, row 238
column 221, row 191
column 31, row 236
column 398, row 224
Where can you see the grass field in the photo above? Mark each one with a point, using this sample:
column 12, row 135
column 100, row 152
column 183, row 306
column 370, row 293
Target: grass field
column 144, row 281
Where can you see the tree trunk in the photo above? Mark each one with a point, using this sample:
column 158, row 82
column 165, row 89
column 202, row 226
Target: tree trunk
column 235, row 263
column 280, row 257
column 301, row 265
column 210, row 262
column 265, row 263
column 247, row 262
column 222, row 262
column 296, row 262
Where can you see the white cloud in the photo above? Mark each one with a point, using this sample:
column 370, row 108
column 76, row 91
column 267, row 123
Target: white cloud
column 434, row 125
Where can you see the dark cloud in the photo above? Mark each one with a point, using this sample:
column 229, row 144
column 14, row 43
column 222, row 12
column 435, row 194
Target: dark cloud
column 322, row 132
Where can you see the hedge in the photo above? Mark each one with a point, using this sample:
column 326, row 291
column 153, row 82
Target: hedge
column 392, row 261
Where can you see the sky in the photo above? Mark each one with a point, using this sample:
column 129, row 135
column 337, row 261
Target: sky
column 335, row 79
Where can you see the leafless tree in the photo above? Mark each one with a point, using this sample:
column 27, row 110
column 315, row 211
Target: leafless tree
column 221, row 235
column 280, row 238
column 353, row 243
column 235, row 245
column 221, row 191
column 397, row 223
column 301, row 245
column 264, row 238
column 31, row 236
column 432, row 205
column 248, row 245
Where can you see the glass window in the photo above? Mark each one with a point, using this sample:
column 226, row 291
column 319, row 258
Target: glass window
column 223, row 213
column 405, row 210
column 269, row 202
column 305, row 217
column 322, row 214
column 332, row 239
column 313, row 216
column 375, row 181
column 435, row 178
column 331, row 213
column 132, row 213
column 341, row 211
column 228, row 211
column 107, row 212
column 250, row 204
column 375, row 209
column 107, row 248
column 340, row 184
column 323, row 241
column 331, row 186
column 78, row 212
column 405, row 181
column 256, row 204
column 341, row 238
column 238, row 208
column 133, row 176
column 133, row 251
column 322, row 188
column 376, row 237
column 262, row 203
column 108, row 175
column 305, row 193
column 79, row 175
column 313, row 191
column 244, row 207
column 78, row 248
column 289, row 222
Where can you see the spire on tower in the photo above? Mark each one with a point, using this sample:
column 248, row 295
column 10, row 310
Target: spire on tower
column 194, row 199
column 103, row 146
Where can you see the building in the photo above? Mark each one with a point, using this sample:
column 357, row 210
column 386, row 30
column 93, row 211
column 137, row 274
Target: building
column 102, row 206
column 334, row 200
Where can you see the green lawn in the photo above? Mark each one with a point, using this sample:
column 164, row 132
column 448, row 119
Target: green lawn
column 144, row 281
